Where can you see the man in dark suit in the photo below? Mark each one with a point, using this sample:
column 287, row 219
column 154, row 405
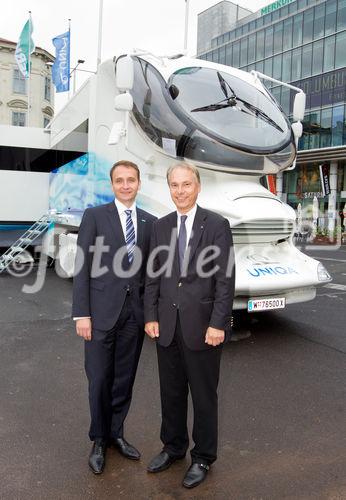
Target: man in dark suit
column 187, row 308
column 113, row 244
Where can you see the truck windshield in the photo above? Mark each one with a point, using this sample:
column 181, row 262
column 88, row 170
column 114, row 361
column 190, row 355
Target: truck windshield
column 230, row 109
column 203, row 115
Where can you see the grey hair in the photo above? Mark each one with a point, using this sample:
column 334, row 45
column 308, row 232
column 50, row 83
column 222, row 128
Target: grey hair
column 188, row 166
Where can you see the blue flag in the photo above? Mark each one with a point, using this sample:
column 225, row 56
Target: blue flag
column 25, row 47
column 61, row 66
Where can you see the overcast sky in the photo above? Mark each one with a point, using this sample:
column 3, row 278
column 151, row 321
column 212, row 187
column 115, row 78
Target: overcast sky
column 155, row 25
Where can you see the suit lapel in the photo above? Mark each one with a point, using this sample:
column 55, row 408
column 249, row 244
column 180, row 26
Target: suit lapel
column 197, row 231
column 115, row 223
column 141, row 226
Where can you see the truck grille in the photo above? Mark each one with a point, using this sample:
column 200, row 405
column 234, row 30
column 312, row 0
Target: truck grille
column 262, row 231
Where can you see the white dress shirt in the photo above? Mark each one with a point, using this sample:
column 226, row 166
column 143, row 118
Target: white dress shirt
column 188, row 222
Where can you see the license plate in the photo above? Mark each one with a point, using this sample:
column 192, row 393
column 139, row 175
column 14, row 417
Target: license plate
column 255, row 305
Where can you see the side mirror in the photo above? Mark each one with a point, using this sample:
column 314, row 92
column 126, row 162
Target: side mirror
column 123, row 102
column 299, row 107
column 297, row 128
column 124, row 73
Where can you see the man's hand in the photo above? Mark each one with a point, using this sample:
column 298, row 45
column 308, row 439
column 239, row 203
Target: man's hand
column 152, row 329
column 214, row 336
column 83, row 328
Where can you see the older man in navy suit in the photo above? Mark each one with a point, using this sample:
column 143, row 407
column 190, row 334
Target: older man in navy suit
column 113, row 246
column 188, row 309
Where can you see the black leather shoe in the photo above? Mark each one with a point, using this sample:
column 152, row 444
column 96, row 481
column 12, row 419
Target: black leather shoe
column 162, row 461
column 195, row 475
column 126, row 449
column 97, row 457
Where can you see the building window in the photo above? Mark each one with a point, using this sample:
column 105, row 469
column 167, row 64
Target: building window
column 260, row 66
column 284, row 11
column 236, row 54
column 229, row 54
column 267, row 19
column 259, row 22
column 277, row 63
column 252, row 48
column 306, row 60
column 302, row 4
column 317, row 57
column 243, row 51
column 285, row 99
column 268, row 46
column 46, row 120
column 329, row 54
column 47, row 87
column 260, row 45
column 315, row 128
column 278, row 31
column 326, row 123
column 296, row 64
column 340, row 52
column 308, row 25
column 287, row 40
column 19, row 82
column 18, row 118
column 286, row 66
column 341, row 15
column 276, row 92
column 337, row 125
column 320, row 12
column 297, row 30
column 268, row 66
column 292, row 7
column 330, row 22
column 276, row 15
column 222, row 55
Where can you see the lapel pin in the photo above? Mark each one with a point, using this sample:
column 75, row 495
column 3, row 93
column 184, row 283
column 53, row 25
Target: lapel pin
column 143, row 220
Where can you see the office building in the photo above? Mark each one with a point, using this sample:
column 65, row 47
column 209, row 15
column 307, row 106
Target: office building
column 302, row 42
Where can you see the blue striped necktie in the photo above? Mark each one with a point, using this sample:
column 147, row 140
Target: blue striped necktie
column 130, row 235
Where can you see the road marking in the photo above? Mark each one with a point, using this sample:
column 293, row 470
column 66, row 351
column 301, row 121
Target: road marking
column 335, row 286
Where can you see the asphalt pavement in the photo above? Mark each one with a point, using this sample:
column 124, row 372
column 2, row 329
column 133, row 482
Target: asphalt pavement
column 282, row 404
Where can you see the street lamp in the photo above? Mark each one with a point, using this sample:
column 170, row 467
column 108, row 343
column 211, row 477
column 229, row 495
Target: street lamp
column 80, row 61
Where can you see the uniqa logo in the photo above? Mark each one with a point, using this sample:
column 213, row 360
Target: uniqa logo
column 272, row 271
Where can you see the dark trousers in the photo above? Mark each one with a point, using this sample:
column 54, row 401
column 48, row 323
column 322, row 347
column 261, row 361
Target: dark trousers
column 111, row 360
column 180, row 369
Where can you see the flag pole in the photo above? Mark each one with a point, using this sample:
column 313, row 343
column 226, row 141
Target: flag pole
column 99, row 45
column 29, row 67
column 187, row 2
column 69, row 68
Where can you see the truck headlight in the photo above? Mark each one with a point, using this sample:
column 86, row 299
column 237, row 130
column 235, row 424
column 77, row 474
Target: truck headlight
column 322, row 273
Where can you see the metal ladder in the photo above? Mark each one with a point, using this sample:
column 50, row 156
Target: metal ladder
column 38, row 228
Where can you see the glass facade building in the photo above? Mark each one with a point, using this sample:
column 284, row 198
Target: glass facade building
column 302, row 42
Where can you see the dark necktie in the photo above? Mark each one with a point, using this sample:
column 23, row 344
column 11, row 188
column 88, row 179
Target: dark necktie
column 182, row 240
column 130, row 235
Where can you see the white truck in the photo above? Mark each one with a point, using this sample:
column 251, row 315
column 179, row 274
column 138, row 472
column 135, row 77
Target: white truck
column 157, row 110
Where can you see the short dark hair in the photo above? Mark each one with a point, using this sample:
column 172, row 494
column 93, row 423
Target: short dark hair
column 125, row 163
